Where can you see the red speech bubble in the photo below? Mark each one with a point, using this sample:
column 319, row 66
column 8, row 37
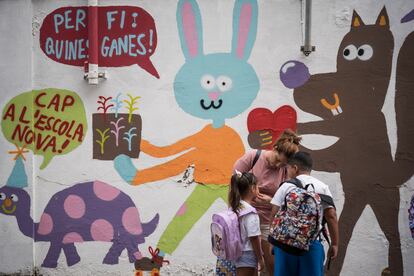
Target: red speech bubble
column 126, row 36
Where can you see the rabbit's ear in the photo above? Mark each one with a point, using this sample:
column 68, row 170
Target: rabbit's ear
column 244, row 28
column 189, row 28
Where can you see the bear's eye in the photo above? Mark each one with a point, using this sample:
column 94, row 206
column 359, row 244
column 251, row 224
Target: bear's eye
column 14, row 197
column 2, row 196
column 350, row 52
column 207, row 82
column 365, row 52
column 224, row 83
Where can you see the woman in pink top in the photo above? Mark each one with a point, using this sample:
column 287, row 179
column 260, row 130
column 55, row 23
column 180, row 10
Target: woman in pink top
column 270, row 171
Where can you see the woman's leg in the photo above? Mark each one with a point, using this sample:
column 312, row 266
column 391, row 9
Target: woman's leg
column 267, row 250
column 268, row 257
column 246, row 271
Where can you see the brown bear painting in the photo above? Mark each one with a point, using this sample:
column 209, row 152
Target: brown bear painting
column 350, row 102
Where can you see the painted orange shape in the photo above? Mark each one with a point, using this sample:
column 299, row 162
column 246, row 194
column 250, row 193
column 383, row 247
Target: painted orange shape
column 329, row 106
column 213, row 151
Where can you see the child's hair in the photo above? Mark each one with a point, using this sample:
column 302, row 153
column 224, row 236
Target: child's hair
column 301, row 159
column 240, row 186
column 287, row 143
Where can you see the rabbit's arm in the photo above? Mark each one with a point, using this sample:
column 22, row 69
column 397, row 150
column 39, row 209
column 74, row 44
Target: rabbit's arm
column 163, row 171
column 165, row 151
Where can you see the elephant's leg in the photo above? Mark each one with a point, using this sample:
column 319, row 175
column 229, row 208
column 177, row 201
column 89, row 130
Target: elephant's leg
column 112, row 257
column 52, row 255
column 72, row 256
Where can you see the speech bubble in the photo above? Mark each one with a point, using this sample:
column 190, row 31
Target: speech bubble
column 126, row 36
column 50, row 122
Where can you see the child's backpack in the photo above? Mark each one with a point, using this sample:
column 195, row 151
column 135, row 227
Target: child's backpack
column 297, row 223
column 225, row 230
column 225, row 233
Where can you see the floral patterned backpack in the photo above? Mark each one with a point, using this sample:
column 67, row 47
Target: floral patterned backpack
column 297, row 222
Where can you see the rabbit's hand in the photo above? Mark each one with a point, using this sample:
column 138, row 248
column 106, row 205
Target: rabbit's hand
column 260, row 139
column 126, row 169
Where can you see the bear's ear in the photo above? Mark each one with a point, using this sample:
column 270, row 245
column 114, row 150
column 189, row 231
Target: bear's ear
column 383, row 19
column 356, row 20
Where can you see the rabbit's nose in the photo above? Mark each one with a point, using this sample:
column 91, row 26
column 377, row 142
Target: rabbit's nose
column 213, row 95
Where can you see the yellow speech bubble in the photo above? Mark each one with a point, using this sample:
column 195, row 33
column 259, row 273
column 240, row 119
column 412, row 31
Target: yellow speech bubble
column 50, row 122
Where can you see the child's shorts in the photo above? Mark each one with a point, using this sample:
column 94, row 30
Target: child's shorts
column 310, row 264
column 247, row 259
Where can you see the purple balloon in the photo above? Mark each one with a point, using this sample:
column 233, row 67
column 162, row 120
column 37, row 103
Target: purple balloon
column 294, row 74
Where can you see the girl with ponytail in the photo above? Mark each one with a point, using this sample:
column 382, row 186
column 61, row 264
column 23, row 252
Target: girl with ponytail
column 243, row 191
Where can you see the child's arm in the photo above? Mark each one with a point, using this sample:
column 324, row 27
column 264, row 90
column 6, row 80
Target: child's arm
column 331, row 219
column 257, row 250
column 277, row 201
column 275, row 209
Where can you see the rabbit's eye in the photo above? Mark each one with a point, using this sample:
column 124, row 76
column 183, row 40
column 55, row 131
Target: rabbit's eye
column 207, row 82
column 2, row 196
column 365, row 52
column 350, row 52
column 224, row 83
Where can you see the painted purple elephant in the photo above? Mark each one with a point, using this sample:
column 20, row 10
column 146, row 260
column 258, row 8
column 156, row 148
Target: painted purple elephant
column 91, row 211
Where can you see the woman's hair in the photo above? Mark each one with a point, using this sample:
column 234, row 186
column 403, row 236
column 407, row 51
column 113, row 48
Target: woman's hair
column 287, row 143
column 240, row 186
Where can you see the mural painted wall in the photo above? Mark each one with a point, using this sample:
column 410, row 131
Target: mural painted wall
column 349, row 102
column 126, row 35
column 122, row 178
column 114, row 132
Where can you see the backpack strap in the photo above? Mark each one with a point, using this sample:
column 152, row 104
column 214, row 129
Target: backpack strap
column 295, row 181
column 256, row 157
column 329, row 201
column 309, row 185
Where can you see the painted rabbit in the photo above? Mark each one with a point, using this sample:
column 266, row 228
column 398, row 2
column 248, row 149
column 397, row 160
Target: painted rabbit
column 214, row 87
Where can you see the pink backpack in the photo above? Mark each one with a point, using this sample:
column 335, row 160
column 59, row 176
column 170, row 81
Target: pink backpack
column 225, row 234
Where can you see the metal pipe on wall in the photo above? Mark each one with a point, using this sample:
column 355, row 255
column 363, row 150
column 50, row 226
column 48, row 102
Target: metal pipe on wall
column 307, row 48
column 93, row 50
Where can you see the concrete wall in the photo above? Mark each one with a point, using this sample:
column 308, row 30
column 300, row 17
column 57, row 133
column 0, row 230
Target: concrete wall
column 170, row 115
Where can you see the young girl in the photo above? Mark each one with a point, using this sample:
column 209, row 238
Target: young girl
column 243, row 190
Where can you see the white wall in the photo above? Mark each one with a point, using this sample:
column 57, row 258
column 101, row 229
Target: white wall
column 25, row 67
